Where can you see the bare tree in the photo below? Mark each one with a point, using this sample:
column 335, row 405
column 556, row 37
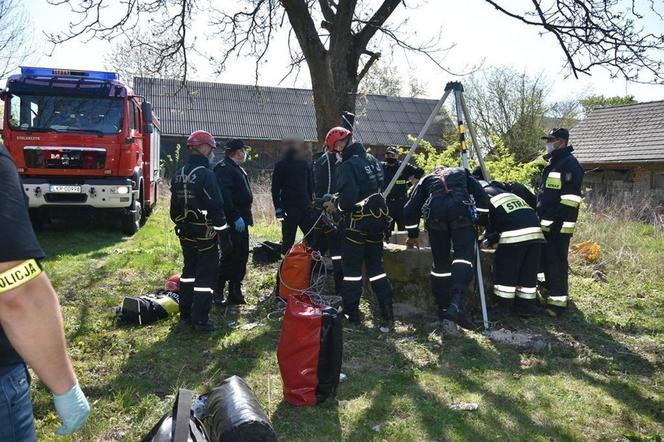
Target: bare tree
column 337, row 38
column 383, row 79
column 15, row 43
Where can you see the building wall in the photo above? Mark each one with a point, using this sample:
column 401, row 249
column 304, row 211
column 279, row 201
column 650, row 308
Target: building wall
column 630, row 184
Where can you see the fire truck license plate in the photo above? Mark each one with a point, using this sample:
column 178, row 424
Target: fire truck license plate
column 57, row 188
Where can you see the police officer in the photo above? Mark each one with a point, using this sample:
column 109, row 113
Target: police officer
column 444, row 199
column 328, row 232
column 399, row 193
column 514, row 228
column 197, row 209
column 31, row 329
column 292, row 191
column 558, row 208
column 238, row 198
column 365, row 221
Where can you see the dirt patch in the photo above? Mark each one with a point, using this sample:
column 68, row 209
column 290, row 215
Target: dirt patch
column 523, row 339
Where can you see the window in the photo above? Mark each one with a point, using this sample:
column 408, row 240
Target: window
column 132, row 115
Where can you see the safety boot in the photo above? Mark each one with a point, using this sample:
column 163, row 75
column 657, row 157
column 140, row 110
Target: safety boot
column 527, row 308
column 235, row 296
column 207, row 326
column 456, row 314
column 387, row 317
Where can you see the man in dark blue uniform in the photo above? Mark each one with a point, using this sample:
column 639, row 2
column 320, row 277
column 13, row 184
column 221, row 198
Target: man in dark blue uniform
column 443, row 198
column 365, row 221
column 197, row 209
column 292, row 191
column 399, row 193
column 238, row 198
column 31, row 330
column 558, row 204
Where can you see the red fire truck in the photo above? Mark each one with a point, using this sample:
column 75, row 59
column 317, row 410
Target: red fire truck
column 82, row 140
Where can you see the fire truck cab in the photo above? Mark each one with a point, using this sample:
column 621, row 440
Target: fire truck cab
column 82, row 140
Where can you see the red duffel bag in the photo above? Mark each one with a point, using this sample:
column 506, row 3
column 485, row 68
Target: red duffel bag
column 295, row 272
column 310, row 348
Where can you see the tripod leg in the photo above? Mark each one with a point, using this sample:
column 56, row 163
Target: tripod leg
column 480, row 282
column 473, row 136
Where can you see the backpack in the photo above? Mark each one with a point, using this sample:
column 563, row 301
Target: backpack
column 143, row 310
column 179, row 425
column 266, row 252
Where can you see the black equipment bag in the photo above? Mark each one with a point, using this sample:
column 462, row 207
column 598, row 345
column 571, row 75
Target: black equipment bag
column 144, row 310
column 266, row 252
column 235, row 415
column 178, row 425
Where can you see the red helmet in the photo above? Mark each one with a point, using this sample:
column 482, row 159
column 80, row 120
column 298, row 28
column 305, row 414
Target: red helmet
column 199, row 137
column 335, row 134
column 173, row 284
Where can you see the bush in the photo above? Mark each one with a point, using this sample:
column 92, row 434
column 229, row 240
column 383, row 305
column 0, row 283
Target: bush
column 172, row 163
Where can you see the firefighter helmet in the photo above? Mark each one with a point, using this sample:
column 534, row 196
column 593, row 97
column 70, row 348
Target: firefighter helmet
column 173, row 284
column 335, row 134
column 200, row 137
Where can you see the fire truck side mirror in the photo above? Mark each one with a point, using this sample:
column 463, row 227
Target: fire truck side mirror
column 146, row 108
column 149, row 128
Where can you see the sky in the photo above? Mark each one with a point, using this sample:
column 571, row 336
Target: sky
column 481, row 37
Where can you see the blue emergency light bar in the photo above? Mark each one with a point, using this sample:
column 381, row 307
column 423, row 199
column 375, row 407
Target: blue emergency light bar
column 69, row 72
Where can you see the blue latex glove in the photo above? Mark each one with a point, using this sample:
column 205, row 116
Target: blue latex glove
column 73, row 410
column 279, row 214
column 240, row 225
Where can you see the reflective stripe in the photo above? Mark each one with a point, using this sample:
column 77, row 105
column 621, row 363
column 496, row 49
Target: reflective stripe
column 521, row 235
column 377, row 277
column 224, row 227
column 479, row 209
column 496, row 200
column 414, row 226
column 352, row 278
column 187, row 279
column 336, row 258
column 554, row 175
column 526, row 292
column 558, row 301
column 401, row 182
column 546, row 222
column 568, row 227
column 570, row 200
column 541, row 277
column 441, row 275
column 504, row 291
column 462, row 261
column 203, row 289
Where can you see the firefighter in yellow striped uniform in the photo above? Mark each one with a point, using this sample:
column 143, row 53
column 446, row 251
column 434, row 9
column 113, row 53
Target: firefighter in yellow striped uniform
column 558, row 204
column 514, row 228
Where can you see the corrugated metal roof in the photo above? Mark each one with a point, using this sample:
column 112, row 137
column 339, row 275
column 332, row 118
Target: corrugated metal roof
column 272, row 113
column 632, row 133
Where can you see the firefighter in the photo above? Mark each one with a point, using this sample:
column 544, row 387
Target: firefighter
column 514, row 228
column 292, row 191
column 31, row 330
column 365, row 221
column 514, row 187
column 399, row 193
column 558, row 208
column 197, row 209
column 238, row 199
column 443, row 198
column 328, row 231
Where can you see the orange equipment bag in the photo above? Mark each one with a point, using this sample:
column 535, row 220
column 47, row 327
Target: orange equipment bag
column 295, row 272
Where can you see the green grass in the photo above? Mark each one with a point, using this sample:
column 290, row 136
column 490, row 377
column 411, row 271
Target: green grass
column 600, row 377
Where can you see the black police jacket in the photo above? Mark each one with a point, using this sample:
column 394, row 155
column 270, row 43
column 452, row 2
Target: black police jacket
column 292, row 183
column 437, row 193
column 360, row 177
column 326, row 174
column 560, row 192
column 511, row 219
column 235, row 188
column 400, row 190
column 195, row 195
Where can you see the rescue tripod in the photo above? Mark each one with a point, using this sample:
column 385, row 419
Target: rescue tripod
column 454, row 87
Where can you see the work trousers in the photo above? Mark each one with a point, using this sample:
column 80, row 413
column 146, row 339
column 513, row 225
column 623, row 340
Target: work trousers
column 556, row 268
column 199, row 275
column 328, row 238
column 452, row 271
column 294, row 217
column 233, row 267
column 395, row 208
column 16, row 419
column 515, row 271
column 364, row 248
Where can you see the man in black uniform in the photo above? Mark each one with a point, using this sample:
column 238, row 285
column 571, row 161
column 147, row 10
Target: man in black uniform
column 514, row 227
column 365, row 221
column 197, row 209
column 443, row 198
column 558, row 208
column 238, row 198
column 292, row 190
column 31, row 330
column 514, row 187
column 399, row 193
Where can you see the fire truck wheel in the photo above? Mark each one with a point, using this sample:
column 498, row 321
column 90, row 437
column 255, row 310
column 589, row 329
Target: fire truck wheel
column 131, row 222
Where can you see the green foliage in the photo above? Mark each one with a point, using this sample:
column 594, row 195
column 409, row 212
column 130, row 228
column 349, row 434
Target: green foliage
column 593, row 101
column 172, row 162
